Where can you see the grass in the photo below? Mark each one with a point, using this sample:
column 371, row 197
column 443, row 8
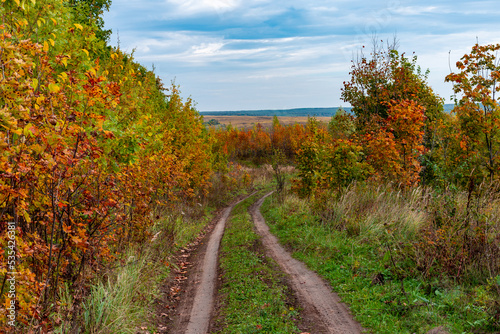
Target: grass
column 123, row 303
column 359, row 243
column 254, row 298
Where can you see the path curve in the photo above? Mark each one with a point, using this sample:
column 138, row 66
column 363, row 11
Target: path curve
column 313, row 293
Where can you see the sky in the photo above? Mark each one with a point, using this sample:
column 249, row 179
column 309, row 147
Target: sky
column 282, row 54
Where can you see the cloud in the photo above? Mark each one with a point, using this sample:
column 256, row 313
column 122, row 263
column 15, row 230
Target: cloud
column 189, row 7
column 290, row 53
column 416, row 10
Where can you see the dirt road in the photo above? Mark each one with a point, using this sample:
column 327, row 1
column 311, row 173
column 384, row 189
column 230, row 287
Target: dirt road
column 314, row 294
column 194, row 312
column 196, row 291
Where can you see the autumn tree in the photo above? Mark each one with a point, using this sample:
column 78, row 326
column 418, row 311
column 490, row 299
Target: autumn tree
column 478, row 110
column 90, row 12
column 327, row 163
column 384, row 77
column 90, row 147
column 395, row 109
column 342, row 125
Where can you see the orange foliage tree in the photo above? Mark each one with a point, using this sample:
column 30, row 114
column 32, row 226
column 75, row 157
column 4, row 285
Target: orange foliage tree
column 394, row 108
column 90, row 145
column 478, row 109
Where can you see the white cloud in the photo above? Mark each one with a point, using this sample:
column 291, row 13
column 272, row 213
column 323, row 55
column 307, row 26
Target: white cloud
column 416, row 10
column 207, row 49
column 195, row 6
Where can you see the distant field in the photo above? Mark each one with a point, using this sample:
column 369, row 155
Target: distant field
column 266, row 121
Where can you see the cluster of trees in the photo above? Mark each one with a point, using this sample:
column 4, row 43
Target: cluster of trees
column 91, row 143
column 398, row 131
column 258, row 144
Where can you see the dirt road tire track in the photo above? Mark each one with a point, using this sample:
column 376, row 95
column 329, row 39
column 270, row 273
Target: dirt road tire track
column 195, row 313
column 313, row 293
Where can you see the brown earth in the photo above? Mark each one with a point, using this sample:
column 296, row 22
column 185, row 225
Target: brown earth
column 247, row 122
column 189, row 302
column 316, row 297
column 188, row 296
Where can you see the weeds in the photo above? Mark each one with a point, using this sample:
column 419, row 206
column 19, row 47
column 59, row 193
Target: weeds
column 405, row 261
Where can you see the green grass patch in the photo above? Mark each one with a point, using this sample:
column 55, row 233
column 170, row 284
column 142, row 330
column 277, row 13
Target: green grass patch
column 359, row 267
column 122, row 301
column 253, row 295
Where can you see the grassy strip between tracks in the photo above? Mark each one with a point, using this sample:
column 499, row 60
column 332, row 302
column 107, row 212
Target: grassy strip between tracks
column 254, row 298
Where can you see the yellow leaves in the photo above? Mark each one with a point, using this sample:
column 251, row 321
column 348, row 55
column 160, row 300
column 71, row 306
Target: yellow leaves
column 51, row 41
column 63, row 76
column 27, row 131
column 7, row 120
column 53, row 20
column 34, row 84
column 45, row 46
column 17, row 2
column 40, row 100
column 78, row 26
column 53, row 88
column 86, row 52
column 26, row 216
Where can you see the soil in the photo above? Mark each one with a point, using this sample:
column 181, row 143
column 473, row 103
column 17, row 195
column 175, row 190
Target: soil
column 316, row 297
column 189, row 297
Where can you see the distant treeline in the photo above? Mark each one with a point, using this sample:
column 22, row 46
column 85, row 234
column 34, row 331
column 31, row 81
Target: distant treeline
column 298, row 112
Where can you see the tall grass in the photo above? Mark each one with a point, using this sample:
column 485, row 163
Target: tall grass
column 448, row 231
column 369, row 210
column 406, row 260
column 122, row 303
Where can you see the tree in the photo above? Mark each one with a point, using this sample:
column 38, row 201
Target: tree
column 385, row 77
column 90, row 12
column 478, row 109
column 342, row 125
column 394, row 108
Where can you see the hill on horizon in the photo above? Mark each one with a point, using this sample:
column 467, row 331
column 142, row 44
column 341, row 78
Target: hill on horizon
column 296, row 112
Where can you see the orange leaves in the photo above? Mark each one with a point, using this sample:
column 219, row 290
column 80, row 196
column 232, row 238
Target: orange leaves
column 79, row 166
column 393, row 149
column 395, row 111
column 478, row 110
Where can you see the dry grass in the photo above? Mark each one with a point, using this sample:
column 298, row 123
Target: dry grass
column 266, row 121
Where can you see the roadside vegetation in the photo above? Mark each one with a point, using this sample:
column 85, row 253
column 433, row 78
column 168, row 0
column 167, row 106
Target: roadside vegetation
column 104, row 172
column 397, row 258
